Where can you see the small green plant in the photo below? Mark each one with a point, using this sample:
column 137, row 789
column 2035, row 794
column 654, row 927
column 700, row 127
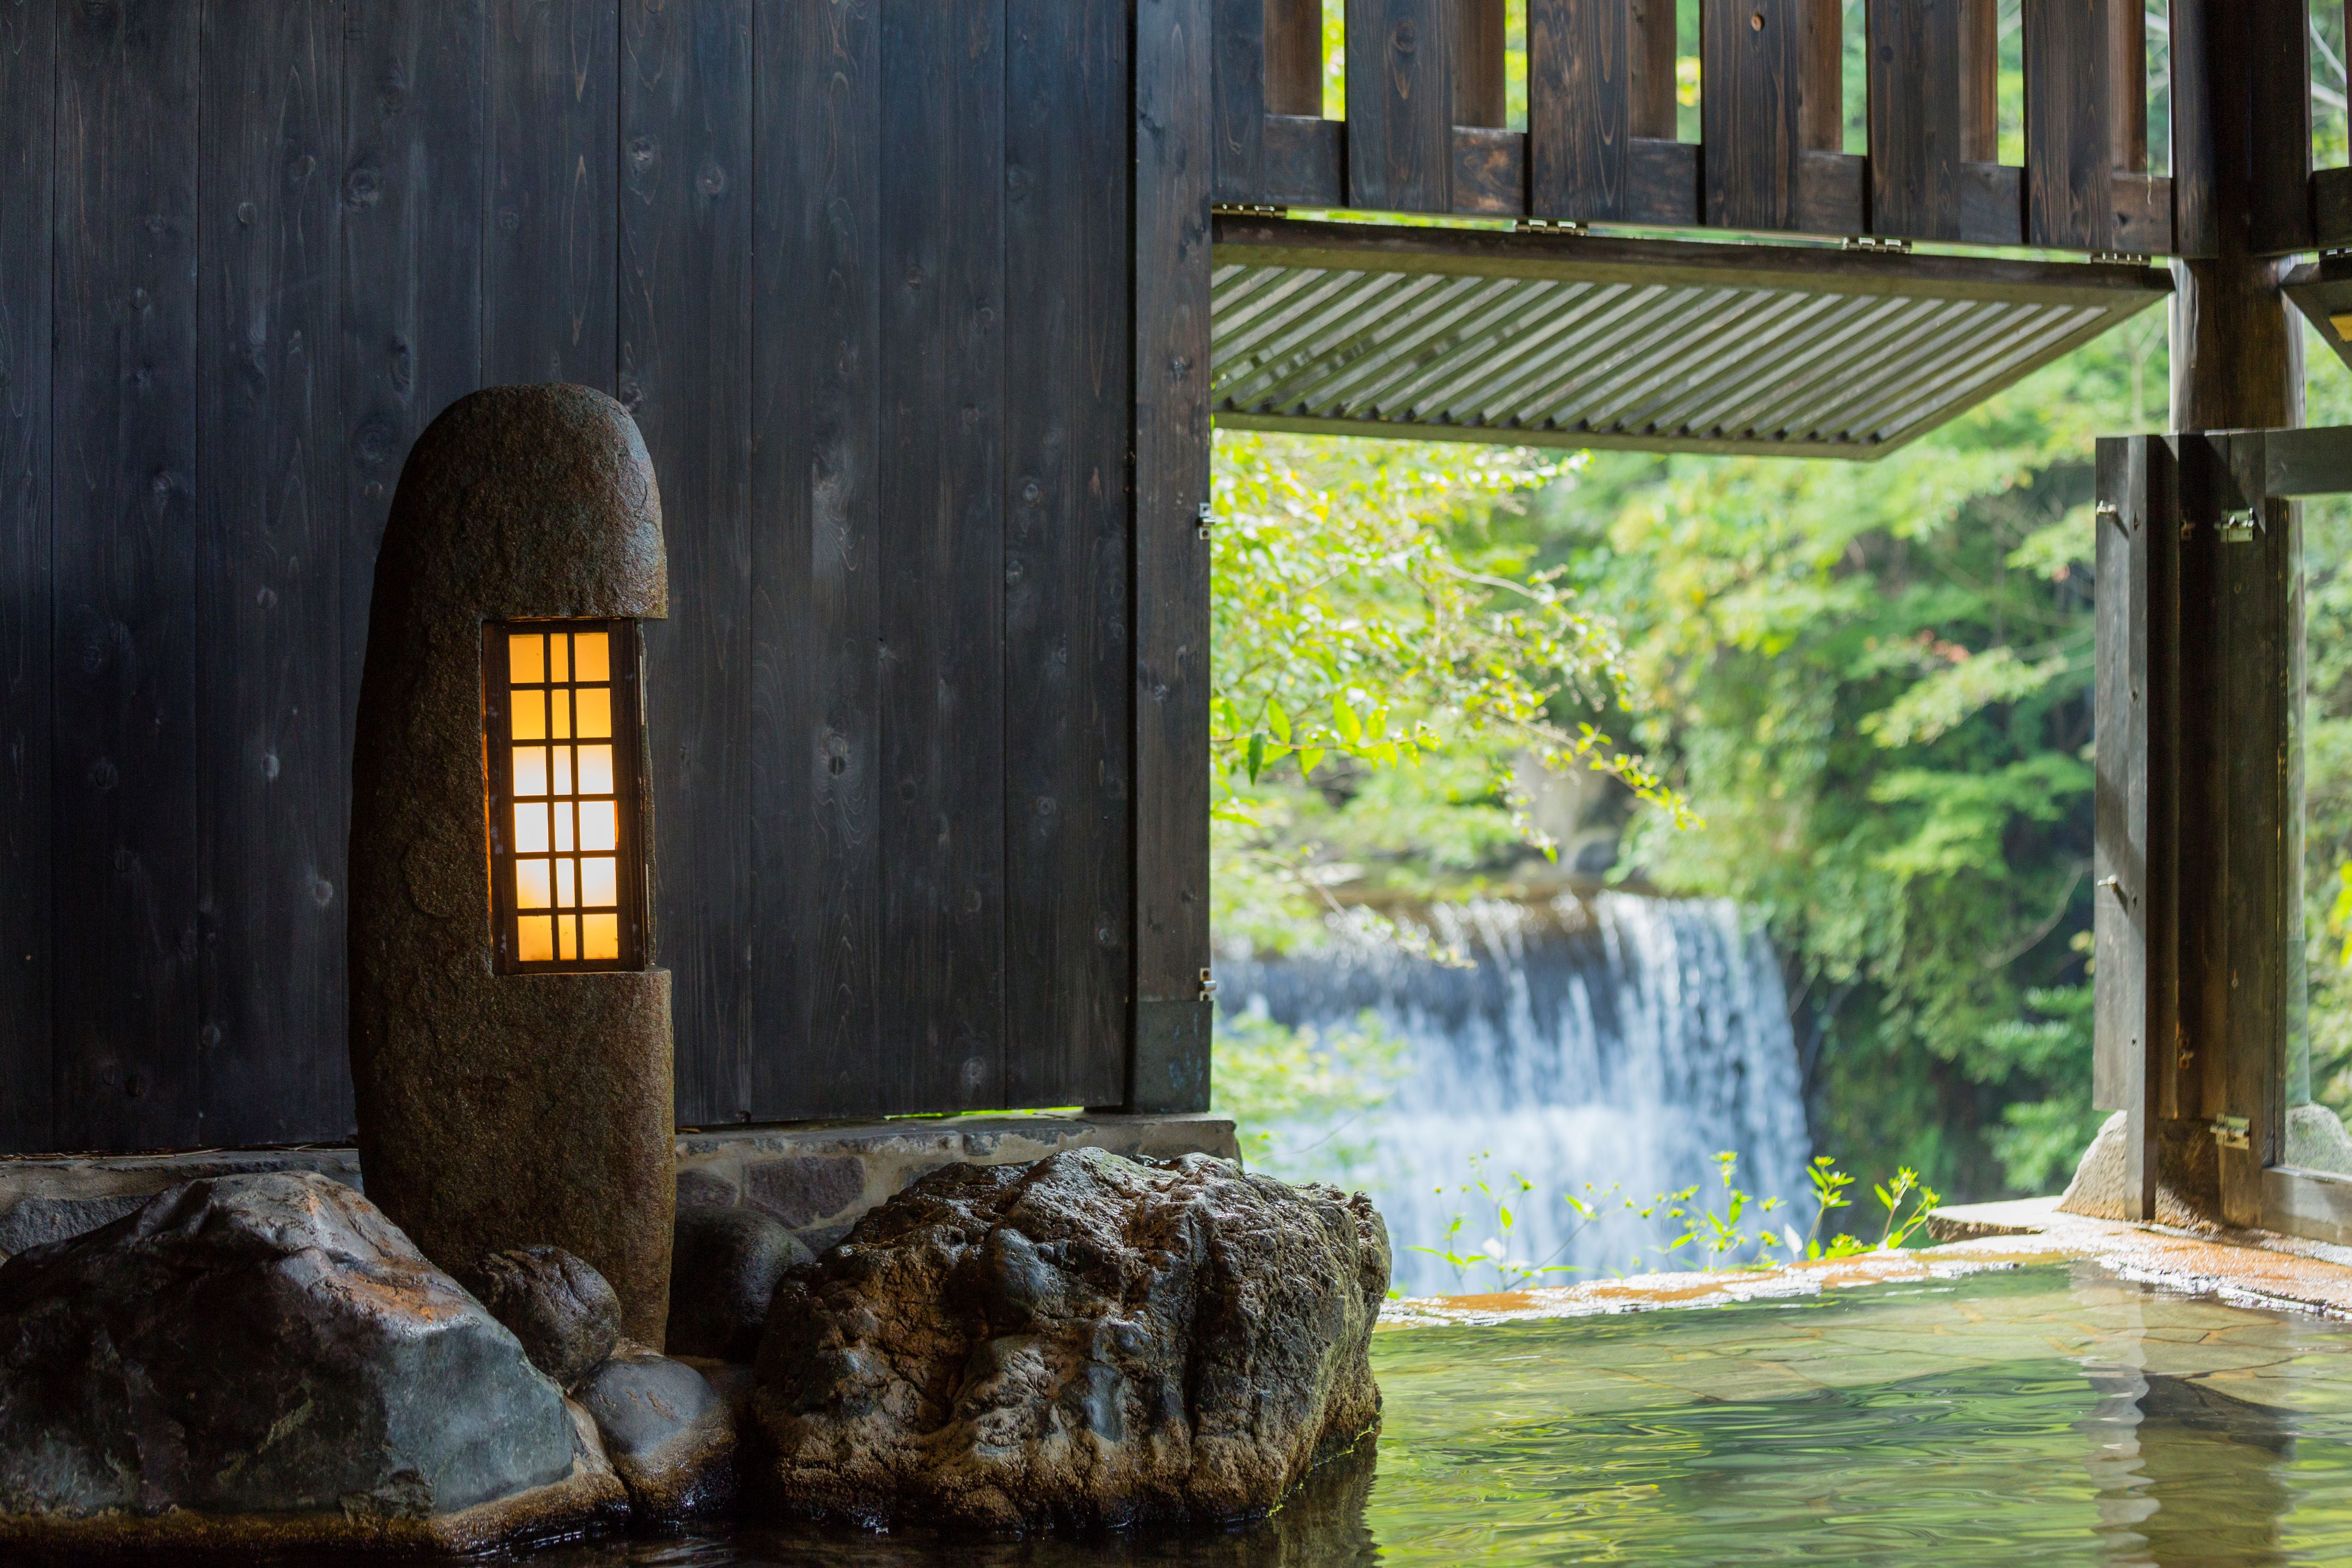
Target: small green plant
column 1495, row 1252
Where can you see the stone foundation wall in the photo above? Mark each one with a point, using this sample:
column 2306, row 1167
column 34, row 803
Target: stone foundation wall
column 815, row 1177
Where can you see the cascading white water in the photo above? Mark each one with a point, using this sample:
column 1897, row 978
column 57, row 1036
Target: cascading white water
column 1605, row 1040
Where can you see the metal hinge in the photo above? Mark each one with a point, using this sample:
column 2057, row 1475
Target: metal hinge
column 1878, row 245
column 2121, row 257
column 1208, row 987
column 1551, row 226
column 1208, row 521
column 1250, row 209
column 2233, row 1132
column 2238, row 527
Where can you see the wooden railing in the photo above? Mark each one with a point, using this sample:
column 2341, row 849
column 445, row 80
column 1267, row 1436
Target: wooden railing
column 1425, row 129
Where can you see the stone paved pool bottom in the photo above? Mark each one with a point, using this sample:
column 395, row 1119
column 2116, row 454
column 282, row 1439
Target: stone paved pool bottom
column 2053, row 1412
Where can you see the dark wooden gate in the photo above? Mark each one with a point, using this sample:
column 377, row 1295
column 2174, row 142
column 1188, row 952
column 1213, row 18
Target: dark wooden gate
column 930, row 445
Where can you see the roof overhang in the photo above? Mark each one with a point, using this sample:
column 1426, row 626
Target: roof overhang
column 1574, row 340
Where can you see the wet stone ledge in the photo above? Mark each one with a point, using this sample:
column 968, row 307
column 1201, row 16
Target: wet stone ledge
column 815, row 1178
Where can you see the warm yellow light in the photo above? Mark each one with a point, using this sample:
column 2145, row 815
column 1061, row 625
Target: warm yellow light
column 596, row 712
column 526, row 659
column 531, row 891
column 531, row 716
column 535, row 939
column 602, row 936
column 559, row 715
column 591, row 660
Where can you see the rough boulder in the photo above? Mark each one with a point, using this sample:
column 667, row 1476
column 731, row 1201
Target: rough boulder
column 266, row 1360
column 1088, row 1340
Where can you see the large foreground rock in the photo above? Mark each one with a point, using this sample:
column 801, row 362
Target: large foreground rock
column 1087, row 1340
column 562, row 1312
column 668, row 1434
column 724, row 1266
column 265, row 1360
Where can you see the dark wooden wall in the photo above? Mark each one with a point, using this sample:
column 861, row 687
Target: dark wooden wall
column 862, row 270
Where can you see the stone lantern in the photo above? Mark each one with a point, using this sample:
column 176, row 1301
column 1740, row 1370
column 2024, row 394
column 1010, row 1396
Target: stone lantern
column 509, row 1037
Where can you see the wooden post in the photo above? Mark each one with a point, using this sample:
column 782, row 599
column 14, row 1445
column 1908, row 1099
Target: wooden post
column 2236, row 363
column 1294, row 56
column 1650, row 56
column 1481, row 85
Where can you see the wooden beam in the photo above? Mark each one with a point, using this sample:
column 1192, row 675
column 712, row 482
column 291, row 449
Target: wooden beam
column 1167, row 1066
column 2069, row 148
column 1917, row 117
column 1242, row 55
column 1650, row 59
column 1481, row 83
column 1753, row 67
column 1978, row 47
column 1580, row 110
column 1820, row 94
column 2277, row 42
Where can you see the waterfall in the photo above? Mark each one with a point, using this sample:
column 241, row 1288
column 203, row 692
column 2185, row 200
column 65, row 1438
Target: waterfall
column 1610, row 1039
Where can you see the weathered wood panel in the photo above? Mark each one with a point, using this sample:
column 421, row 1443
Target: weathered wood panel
column 1915, row 112
column 29, row 58
column 1579, row 108
column 2069, row 160
column 269, row 588
column 1239, row 94
column 1399, row 105
column 2277, row 41
column 414, row 104
column 1293, row 55
column 1069, row 663
column 817, row 564
column 548, row 296
column 685, row 334
column 943, row 533
column 1751, row 62
column 1482, row 89
column 1170, row 1064
column 123, row 838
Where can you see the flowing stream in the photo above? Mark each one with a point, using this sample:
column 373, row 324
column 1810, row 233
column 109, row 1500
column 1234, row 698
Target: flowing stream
column 1604, row 1039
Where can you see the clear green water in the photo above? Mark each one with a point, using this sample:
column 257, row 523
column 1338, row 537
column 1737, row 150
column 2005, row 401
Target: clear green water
column 2045, row 1415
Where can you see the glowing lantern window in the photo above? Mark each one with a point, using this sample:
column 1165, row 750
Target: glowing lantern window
column 567, row 863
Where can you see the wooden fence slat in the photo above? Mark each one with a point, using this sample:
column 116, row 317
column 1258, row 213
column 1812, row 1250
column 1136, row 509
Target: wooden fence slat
column 942, row 532
column 125, row 807
column 1067, row 660
column 815, row 941
column 28, row 58
column 1239, row 94
column 1401, row 105
column 548, row 299
column 414, row 105
column 684, row 334
column 1751, row 64
column 269, row 586
column 2277, row 38
column 2195, row 1089
column 1294, row 56
column 2069, row 162
column 1170, row 1066
column 1650, row 56
column 1579, row 109
column 1304, row 162
column 1482, row 90
column 2196, row 222
column 1916, row 113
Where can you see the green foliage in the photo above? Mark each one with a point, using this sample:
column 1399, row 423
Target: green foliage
column 1317, row 1085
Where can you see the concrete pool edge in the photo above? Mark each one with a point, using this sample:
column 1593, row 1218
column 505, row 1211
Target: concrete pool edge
column 2249, row 1268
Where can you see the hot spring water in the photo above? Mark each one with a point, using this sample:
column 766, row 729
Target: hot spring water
column 1605, row 1040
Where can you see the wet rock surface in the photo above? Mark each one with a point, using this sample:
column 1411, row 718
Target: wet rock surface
column 724, row 1264
column 563, row 1310
column 267, row 1358
column 1087, row 1340
column 668, row 1433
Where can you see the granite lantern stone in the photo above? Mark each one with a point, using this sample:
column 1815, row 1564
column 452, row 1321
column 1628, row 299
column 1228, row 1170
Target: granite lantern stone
column 509, row 1038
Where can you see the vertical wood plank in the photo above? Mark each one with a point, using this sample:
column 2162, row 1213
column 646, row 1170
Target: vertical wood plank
column 1979, row 75
column 29, row 56
column 1169, row 1067
column 1294, row 56
column 2197, row 1083
column 685, row 330
column 1650, row 56
column 269, row 588
column 125, row 806
column 1579, row 108
column 815, row 941
column 1067, row 662
column 2069, row 197
column 2127, row 87
column 414, row 100
column 1917, row 113
column 1399, row 105
column 2196, row 222
column 2278, row 57
column 942, row 530
column 1752, row 64
column 1482, row 92
column 1821, row 93
column 1241, row 73
column 548, row 293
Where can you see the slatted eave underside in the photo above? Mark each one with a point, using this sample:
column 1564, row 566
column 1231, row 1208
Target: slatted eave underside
column 1610, row 361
